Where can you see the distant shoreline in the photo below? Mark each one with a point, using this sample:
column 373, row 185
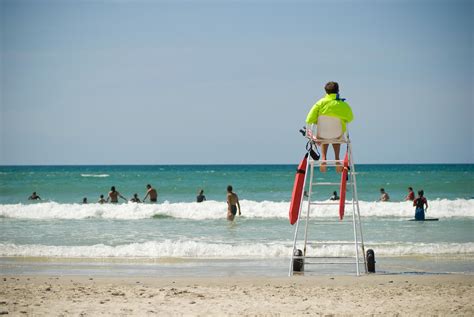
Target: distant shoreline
column 185, row 267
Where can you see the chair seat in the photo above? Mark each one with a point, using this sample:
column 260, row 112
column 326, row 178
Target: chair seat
column 328, row 130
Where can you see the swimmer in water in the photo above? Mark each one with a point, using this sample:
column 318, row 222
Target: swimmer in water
column 232, row 204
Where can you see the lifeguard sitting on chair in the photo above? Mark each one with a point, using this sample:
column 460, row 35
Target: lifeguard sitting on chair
column 333, row 114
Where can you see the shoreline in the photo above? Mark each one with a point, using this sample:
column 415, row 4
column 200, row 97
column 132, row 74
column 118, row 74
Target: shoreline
column 298, row 295
column 224, row 267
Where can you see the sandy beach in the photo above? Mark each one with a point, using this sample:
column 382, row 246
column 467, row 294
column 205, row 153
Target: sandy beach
column 408, row 295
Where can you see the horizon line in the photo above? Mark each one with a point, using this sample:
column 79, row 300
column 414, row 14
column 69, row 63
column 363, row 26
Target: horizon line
column 210, row 164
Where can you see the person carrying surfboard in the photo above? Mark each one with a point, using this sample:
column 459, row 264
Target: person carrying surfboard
column 420, row 204
column 333, row 106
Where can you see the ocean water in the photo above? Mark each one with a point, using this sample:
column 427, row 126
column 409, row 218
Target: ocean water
column 178, row 235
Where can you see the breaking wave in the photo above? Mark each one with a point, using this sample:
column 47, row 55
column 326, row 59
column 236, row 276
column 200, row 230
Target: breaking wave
column 95, row 175
column 195, row 249
column 441, row 208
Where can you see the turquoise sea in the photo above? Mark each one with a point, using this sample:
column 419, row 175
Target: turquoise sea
column 178, row 236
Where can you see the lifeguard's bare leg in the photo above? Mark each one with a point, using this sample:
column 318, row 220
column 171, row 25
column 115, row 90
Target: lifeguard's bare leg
column 337, row 150
column 324, row 151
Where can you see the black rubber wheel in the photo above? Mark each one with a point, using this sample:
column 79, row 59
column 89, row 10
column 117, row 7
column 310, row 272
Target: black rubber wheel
column 370, row 261
column 298, row 264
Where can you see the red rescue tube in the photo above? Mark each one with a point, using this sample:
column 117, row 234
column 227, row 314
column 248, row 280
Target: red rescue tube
column 342, row 191
column 298, row 190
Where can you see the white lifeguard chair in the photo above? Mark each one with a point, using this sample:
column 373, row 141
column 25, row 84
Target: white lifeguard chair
column 329, row 131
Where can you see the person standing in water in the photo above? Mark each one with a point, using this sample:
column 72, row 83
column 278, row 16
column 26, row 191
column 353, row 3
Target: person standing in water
column 411, row 195
column 34, row 196
column 102, row 200
column 150, row 191
column 200, row 198
column 383, row 195
column 135, row 198
column 114, row 195
column 420, row 204
column 232, row 204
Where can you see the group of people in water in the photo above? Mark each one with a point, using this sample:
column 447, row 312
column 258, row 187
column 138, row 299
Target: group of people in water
column 114, row 196
column 420, row 203
column 233, row 205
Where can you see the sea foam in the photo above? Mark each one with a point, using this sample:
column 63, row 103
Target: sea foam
column 95, row 175
column 196, row 249
column 441, row 208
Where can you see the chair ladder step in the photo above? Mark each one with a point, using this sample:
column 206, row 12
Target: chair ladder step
column 324, row 204
column 325, row 184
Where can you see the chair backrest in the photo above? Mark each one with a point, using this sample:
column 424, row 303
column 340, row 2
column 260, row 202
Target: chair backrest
column 329, row 128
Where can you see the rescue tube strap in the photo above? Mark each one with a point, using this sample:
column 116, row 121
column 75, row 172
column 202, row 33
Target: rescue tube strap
column 314, row 154
column 299, row 171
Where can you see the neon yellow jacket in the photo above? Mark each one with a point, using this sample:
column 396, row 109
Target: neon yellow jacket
column 331, row 106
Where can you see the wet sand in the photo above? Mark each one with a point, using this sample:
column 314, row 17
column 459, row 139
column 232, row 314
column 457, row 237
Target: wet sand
column 388, row 295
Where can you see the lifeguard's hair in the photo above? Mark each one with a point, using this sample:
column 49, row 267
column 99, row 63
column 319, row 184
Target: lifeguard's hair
column 229, row 188
column 332, row 87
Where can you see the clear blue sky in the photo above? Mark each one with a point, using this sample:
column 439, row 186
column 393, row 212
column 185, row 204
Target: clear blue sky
column 203, row 82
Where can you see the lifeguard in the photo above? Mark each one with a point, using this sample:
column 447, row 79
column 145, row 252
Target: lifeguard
column 333, row 106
